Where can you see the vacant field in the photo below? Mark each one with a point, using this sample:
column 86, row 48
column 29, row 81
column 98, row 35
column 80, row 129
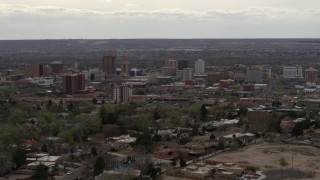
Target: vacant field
column 267, row 157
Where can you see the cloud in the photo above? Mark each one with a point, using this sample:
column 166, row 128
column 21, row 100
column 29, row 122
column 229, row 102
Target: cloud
column 251, row 12
column 61, row 22
column 132, row 5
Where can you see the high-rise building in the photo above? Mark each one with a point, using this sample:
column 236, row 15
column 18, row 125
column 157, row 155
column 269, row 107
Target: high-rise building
column 213, row 77
column 125, row 68
column 199, row 66
column 311, row 75
column 254, row 74
column 41, row 70
column 172, row 63
column 169, row 71
column 290, row 72
column 266, row 72
column 187, row 74
column 109, row 64
column 73, row 83
column 57, row 66
column 120, row 93
column 182, row 64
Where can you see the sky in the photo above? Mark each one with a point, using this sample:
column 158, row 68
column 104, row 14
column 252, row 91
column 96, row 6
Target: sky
column 121, row 19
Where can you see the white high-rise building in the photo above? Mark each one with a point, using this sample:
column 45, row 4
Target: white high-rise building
column 290, row 72
column 199, row 66
column 186, row 74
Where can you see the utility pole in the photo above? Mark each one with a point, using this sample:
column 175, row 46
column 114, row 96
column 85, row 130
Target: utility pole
column 292, row 160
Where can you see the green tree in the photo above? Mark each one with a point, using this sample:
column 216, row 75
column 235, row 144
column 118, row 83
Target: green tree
column 156, row 114
column 49, row 104
column 19, row 157
column 234, row 144
column 156, row 138
column 18, row 116
column 70, row 106
column 282, row 163
column 276, row 103
column 152, row 171
column 68, row 137
column 182, row 162
column 108, row 114
column 13, row 134
column 300, row 126
column 44, row 148
column 195, row 110
column 212, row 136
column 184, row 140
column 220, row 146
column 94, row 151
column 144, row 139
column 204, row 111
column 41, row 173
column 99, row 166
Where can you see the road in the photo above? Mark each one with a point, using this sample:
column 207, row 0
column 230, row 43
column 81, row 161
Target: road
column 75, row 173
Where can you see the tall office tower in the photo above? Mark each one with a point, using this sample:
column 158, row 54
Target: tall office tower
column 187, row 74
column 120, row 93
column 213, row 77
column 172, row 63
column 73, row 83
column 311, row 75
column 125, row 68
column 41, row 70
column 168, row 71
column 254, row 74
column 266, row 72
column 109, row 64
column 199, row 66
column 182, row 64
column 29, row 70
column 290, row 72
column 57, row 66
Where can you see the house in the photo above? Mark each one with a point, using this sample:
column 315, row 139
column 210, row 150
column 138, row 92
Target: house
column 43, row 158
column 168, row 154
column 199, row 171
column 245, row 138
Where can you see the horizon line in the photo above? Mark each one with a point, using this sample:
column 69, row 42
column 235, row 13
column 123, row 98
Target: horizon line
column 42, row 39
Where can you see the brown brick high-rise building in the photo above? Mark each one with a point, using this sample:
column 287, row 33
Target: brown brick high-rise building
column 125, row 68
column 73, row 83
column 311, row 75
column 41, row 70
column 109, row 64
column 57, row 66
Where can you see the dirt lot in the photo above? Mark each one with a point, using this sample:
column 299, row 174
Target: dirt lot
column 267, row 156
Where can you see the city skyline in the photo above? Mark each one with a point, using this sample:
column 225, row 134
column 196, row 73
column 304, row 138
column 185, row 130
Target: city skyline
column 105, row 19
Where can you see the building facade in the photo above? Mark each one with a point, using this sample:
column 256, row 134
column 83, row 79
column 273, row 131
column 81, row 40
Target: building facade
column 311, row 75
column 199, row 67
column 172, row 63
column 125, row 68
column 109, row 64
column 187, row 74
column 120, row 93
column 74, row 83
column 254, row 74
column 57, row 66
column 291, row 72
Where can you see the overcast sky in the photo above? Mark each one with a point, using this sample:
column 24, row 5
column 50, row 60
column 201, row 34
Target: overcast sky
column 86, row 19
